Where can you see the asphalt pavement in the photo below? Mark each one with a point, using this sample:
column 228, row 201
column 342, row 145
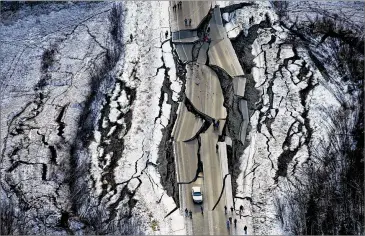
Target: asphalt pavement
column 194, row 10
column 204, row 91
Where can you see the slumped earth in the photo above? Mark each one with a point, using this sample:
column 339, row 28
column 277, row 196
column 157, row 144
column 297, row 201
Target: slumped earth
column 108, row 108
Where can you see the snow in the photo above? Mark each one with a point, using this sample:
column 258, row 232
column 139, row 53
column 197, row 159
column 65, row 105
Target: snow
column 240, row 18
column 259, row 162
column 286, row 52
column 225, row 16
column 142, row 140
column 114, row 114
column 232, row 30
column 79, row 33
column 169, row 62
column 25, row 35
column 349, row 13
column 224, row 3
column 320, row 99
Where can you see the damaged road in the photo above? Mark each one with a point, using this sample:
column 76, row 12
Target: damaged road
column 200, row 149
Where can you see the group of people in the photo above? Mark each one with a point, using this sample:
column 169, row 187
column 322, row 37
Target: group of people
column 178, row 5
column 225, row 210
column 187, row 22
column 190, row 213
column 229, row 221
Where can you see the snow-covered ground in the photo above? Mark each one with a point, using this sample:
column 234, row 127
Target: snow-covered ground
column 144, row 70
column 57, row 68
column 84, row 99
column 287, row 120
column 350, row 13
column 46, row 62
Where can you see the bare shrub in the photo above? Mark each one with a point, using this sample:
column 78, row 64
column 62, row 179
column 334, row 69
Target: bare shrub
column 329, row 198
column 48, row 58
column 91, row 210
column 331, row 201
column 129, row 227
column 7, row 218
column 281, row 8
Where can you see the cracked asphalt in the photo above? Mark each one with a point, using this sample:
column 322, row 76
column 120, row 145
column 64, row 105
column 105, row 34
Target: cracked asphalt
column 200, row 158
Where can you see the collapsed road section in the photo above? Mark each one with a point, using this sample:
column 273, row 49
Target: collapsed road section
column 211, row 115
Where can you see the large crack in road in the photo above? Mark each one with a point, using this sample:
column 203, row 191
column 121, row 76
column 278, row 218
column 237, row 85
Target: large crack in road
column 233, row 125
column 199, row 140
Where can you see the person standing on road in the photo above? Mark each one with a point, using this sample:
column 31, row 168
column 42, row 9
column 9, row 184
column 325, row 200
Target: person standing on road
column 245, row 229
column 225, row 210
column 190, row 22
column 186, row 22
column 230, row 220
column 186, row 212
column 241, row 208
column 235, row 223
column 232, row 210
column 227, row 224
column 191, row 214
column 201, row 208
column 166, row 34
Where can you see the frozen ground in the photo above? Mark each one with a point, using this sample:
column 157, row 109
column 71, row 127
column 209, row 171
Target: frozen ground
column 47, row 61
column 87, row 90
column 148, row 56
column 82, row 108
column 288, row 117
column 348, row 12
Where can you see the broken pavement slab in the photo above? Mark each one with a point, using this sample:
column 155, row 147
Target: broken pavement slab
column 217, row 30
column 187, row 124
column 185, row 36
column 239, row 85
column 204, row 91
column 184, row 51
column 221, row 52
column 244, row 111
column 203, row 54
column 223, row 55
column 187, row 166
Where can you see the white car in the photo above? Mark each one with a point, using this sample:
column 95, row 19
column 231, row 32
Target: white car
column 197, row 194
